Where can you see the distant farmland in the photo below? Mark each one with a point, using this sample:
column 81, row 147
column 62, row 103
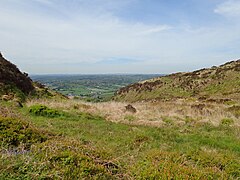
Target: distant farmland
column 90, row 87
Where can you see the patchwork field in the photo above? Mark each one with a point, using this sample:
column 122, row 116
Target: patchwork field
column 95, row 88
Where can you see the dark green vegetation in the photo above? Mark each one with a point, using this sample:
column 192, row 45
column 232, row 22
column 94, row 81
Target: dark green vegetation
column 40, row 110
column 219, row 84
column 82, row 145
column 15, row 132
column 89, row 87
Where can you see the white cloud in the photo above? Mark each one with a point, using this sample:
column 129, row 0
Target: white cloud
column 156, row 29
column 56, row 37
column 48, row 2
column 82, row 38
column 229, row 8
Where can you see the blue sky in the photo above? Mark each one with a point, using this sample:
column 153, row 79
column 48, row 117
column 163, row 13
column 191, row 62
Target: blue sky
column 119, row 36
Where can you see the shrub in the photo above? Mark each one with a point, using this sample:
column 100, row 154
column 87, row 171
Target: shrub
column 40, row 110
column 15, row 132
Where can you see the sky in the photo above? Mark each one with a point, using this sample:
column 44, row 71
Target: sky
column 119, row 36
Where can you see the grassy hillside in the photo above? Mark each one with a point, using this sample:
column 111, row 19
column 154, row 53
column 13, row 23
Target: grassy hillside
column 78, row 145
column 17, row 86
column 214, row 84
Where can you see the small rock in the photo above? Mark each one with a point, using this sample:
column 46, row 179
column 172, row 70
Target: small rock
column 130, row 108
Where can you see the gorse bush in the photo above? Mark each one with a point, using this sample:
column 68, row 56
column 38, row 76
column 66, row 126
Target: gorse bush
column 15, row 132
column 41, row 110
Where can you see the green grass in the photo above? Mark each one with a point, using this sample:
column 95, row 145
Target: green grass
column 87, row 146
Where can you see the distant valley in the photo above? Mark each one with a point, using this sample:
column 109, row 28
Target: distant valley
column 99, row 87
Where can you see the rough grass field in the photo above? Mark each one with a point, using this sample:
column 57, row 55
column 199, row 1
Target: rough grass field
column 86, row 142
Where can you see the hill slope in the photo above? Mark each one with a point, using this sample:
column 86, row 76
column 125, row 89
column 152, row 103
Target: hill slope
column 17, row 85
column 214, row 84
column 11, row 75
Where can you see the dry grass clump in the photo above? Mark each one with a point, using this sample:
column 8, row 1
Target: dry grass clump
column 149, row 113
column 52, row 103
column 8, row 111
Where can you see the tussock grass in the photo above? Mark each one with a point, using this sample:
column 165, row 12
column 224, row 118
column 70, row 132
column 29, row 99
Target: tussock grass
column 152, row 113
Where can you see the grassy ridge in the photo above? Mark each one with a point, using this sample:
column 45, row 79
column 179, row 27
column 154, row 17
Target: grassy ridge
column 215, row 83
column 87, row 146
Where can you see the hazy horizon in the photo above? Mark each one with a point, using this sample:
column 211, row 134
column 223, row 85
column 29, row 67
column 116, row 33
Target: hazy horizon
column 119, row 36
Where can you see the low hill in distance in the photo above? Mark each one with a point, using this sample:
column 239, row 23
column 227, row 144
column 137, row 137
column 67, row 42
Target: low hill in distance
column 213, row 84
